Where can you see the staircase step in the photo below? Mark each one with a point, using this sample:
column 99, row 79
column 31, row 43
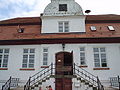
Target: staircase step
column 18, row 88
column 94, row 88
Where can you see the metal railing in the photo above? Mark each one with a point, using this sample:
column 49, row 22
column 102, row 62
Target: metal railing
column 85, row 75
column 11, row 82
column 42, row 75
column 115, row 82
column 77, row 71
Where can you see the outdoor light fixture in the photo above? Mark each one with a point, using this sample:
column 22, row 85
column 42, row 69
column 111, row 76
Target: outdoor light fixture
column 63, row 46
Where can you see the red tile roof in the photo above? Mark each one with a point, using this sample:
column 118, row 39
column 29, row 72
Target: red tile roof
column 21, row 20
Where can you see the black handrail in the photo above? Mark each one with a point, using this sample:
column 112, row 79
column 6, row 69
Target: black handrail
column 115, row 82
column 92, row 79
column 12, row 82
column 41, row 75
column 77, row 71
column 6, row 86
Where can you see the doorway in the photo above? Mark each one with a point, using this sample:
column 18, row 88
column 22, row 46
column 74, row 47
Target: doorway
column 64, row 65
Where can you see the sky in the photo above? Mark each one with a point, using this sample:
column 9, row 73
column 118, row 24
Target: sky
column 32, row 8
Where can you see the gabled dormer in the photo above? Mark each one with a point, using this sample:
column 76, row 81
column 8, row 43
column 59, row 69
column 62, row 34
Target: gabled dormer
column 61, row 16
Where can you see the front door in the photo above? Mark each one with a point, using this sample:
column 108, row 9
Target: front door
column 64, row 64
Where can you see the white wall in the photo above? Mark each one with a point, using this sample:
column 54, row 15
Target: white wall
column 50, row 24
column 16, row 53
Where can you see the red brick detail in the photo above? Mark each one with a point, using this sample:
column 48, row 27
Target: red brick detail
column 101, row 68
column 44, row 66
column 27, row 69
column 83, row 66
column 3, row 68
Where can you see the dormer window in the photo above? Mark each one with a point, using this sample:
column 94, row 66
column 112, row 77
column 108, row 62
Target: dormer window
column 63, row 26
column 20, row 30
column 62, row 7
column 111, row 28
column 93, row 28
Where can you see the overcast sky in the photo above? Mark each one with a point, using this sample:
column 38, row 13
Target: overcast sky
column 33, row 8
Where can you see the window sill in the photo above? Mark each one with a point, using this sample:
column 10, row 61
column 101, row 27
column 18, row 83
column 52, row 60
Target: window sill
column 83, row 66
column 27, row 69
column 3, row 68
column 101, row 68
column 44, row 66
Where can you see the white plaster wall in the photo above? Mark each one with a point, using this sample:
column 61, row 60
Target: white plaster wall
column 50, row 24
column 16, row 53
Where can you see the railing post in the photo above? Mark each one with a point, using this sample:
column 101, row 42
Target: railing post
column 119, row 82
column 74, row 68
column 98, row 83
column 29, row 83
column 10, row 83
column 51, row 68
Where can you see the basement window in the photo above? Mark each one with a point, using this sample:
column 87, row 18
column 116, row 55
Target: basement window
column 111, row 28
column 93, row 28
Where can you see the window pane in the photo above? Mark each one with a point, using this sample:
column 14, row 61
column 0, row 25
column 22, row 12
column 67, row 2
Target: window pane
column 111, row 28
column 32, row 50
column 31, row 60
column 104, row 64
column 82, row 49
column 95, row 49
column 25, row 61
column 6, row 51
column 97, row 64
column 102, row 49
column 25, row 56
column 31, row 56
column 24, row 65
column 82, row 54
column 93, row 28
column 4, row 65
column 1, row 50
column 25, row 51
column 31, row 65
column 45, row 50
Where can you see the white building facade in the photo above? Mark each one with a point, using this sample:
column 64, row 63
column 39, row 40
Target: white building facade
column 62, row 17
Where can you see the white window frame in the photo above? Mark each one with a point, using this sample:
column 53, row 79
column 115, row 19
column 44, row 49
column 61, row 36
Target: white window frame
column 28, row 58
column 93, row 28
column 111, row 28
column 4, row 64
column 99, row 54
column 45, row 56
column 63, row 26
column 82, row 57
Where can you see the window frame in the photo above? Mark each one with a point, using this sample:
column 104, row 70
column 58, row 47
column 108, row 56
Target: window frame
column 99, row 53
column 28, row 54
column 111, row 28
column 93, row 28
column 63, row 7
column 43, row 58
column 63, row 26
column 84, row 51
column 4, row 64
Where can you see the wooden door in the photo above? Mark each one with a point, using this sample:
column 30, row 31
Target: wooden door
column 64, row 62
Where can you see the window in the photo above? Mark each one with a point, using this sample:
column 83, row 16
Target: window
column 28, row 58
column 64, row 26
column 111, row 28
column 45, row 56
column 62, row 7
column 20, row 30
column 4, row 54
column 93, row 28
column 82, row 56
column 100, row 59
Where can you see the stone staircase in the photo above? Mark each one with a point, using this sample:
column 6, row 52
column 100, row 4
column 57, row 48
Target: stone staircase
column 86, row 79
